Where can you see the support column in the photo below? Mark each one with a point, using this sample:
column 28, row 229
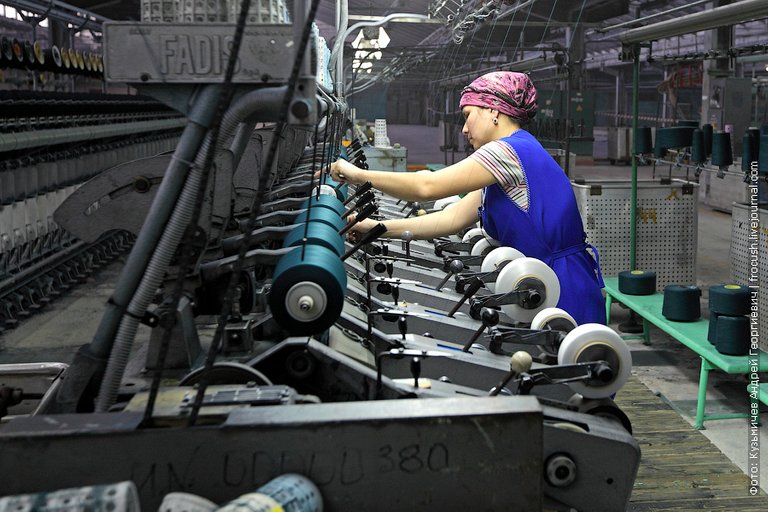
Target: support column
column 714, row 73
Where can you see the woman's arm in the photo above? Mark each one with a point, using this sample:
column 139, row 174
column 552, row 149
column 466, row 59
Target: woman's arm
column 459, row 178
column 446, row 222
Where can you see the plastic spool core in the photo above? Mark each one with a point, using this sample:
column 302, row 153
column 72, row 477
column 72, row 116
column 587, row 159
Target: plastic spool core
column 554, row 319
column 523, row 273
column 495, row 258
column 325, row 190
column 596, row 342
column 483, row 247
column 472, row 236
column 305, row 301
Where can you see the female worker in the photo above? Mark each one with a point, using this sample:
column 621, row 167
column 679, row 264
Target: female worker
column 519, row 193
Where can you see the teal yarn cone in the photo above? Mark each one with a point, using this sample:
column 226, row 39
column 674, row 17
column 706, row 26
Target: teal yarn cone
column 644, row 141
column 672, row 137
column 708, row 131
column 712, row 331
column 698, row 152
column 324, row 201
column 729, row 299
column 762, row 160
column 637, row 282
column 308, row 288
column 681, row 303
column 722, row 156
column 749, row 152
column 732, row 337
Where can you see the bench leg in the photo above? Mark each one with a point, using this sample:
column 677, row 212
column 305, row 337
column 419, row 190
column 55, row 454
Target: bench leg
column 702, row 400
column 608, row 302
column 646, row 332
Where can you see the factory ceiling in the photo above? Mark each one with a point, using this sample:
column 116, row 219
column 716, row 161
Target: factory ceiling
column 463, row 36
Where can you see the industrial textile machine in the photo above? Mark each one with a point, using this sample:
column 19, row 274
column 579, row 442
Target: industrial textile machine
column 247, row 338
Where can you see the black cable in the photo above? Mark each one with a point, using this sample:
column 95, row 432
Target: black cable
column 311, row 184
column 255, row 207
column 187, row 251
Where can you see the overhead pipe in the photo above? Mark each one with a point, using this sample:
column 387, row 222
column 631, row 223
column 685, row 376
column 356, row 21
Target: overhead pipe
column 746, row 10
column 638, row 21
column 77, row 16
column 337, row 54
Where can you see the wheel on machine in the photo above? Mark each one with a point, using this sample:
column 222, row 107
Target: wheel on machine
column 483, row 246
column 528, row 273
column 596, row 342
column 555, row 319
column 495, row 258
column 226, row 372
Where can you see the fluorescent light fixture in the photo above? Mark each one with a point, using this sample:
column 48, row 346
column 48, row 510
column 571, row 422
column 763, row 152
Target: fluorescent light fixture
column 370, row 38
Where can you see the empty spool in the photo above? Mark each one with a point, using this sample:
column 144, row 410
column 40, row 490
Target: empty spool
column 483, row 247
column 554, row 319
column 473, row 235
column 495, row 258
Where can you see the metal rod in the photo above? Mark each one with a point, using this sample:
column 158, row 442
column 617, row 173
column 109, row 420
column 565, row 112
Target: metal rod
column 633, row 201
column 731, row 14
column 200, row 119
column 61, row 11
column 650, row 16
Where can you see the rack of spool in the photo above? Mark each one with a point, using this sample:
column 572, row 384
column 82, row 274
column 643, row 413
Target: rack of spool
column 36, row 56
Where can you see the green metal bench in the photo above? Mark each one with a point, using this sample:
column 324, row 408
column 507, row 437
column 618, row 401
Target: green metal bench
column 694, row 336
column 762, row 392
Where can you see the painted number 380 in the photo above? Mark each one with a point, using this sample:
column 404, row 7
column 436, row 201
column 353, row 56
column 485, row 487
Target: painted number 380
column 413, row 458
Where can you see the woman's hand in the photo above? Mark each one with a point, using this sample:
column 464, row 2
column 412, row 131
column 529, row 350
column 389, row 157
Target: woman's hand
column 359, row 229
column 344, row 172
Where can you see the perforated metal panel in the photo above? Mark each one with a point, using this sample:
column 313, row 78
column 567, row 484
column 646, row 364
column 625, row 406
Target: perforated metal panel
column 741, row 263
column 667, row 225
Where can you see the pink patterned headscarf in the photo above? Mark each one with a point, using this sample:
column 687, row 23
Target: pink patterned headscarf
column 506, row 91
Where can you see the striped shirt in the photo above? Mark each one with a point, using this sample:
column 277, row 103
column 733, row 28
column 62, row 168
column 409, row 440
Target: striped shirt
column 501, row 160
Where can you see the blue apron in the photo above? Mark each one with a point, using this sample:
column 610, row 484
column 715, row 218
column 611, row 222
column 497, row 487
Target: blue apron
column 551, row 229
